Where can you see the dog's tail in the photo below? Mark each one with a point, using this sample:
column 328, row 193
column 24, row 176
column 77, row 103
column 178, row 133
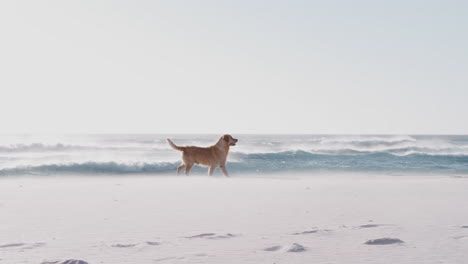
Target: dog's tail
column 174, row 145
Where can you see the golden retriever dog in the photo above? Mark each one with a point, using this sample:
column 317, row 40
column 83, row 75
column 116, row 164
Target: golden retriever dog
column 212, row 156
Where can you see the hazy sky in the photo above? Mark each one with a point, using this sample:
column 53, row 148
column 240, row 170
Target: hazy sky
column 234, row 66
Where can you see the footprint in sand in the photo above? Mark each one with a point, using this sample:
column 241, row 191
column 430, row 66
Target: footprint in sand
column 308, row 232
column 461, row 237
column 123, row 245
column 293, row 248
column 228, row 235
column 153, row 243
column 296, row 248
column 22, row 245
column 34, row 245
column 68, row 261
column 212, row 236
column 384, row 241
column 202, row 235
column 169, row 258
column 12, row 245
column 369, row 226
column 465, row 226
column 273, row 248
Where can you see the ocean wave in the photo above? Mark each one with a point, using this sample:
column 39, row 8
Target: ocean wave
column 302, row 154
column 38, row 147
column 335, row 145
column 91, row 168
column 403, row 150
column 363, row 141
column 397, row 151
column 289, row 161
column 357, row 145
column 136, row 154
column 369, row 139
column 373, row 162
column 60, row 147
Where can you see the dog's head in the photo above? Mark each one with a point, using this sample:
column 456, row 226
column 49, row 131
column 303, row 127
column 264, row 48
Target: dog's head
column 229, row 140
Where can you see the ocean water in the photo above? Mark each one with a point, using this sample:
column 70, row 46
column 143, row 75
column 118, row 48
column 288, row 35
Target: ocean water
column 62, row 155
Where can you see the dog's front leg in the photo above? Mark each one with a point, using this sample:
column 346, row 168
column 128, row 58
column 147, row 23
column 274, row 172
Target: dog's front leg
column 180, row 168
column 223, row 169
column 211, row 170
column 188, row 167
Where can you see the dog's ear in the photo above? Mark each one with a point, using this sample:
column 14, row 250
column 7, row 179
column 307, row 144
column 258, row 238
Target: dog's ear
column 226, row 138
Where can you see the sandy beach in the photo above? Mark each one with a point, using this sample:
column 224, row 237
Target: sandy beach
column 248, row 219
column 340, row 127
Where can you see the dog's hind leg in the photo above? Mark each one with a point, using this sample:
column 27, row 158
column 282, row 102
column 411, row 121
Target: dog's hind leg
column 180, row 168
column 211, row 170
column 188, row 167
column 223, row 169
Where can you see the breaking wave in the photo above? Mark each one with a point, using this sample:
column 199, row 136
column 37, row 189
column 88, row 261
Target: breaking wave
column 150, row 154
column 90, row 168
column 60, row 147
column 258, row 163
column 38, row 147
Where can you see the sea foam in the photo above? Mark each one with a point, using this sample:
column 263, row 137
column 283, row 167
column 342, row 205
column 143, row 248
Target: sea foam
column 254, row 154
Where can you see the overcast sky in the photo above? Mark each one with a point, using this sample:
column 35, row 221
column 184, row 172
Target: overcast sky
column 216, row 66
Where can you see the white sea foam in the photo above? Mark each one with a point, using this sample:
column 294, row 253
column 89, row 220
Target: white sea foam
column 254, row 154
